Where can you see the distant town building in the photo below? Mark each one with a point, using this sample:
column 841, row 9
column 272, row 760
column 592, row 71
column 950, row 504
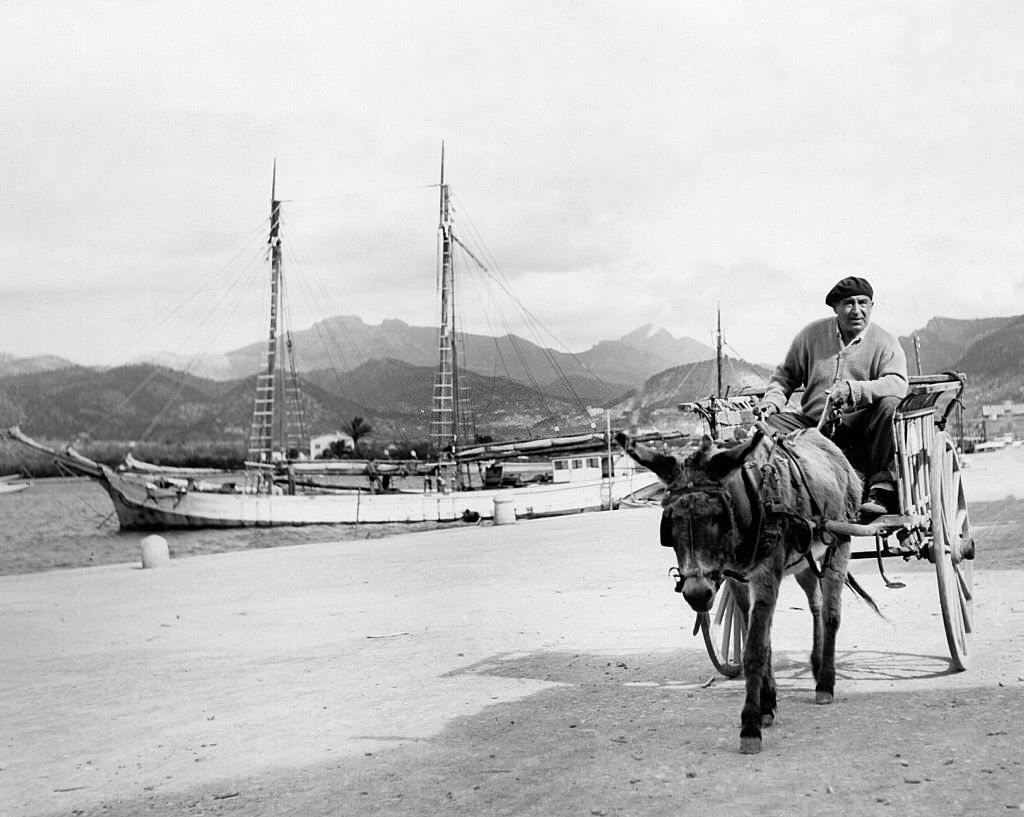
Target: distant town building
column 1004, row 418
column 318, row 445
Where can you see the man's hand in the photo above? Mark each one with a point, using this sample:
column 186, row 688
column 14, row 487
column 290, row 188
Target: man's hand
column 765, row 409
column 840, row 396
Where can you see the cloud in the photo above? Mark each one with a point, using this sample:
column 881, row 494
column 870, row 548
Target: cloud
column 618, row 164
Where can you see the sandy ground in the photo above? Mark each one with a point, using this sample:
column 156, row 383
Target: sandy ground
column 541, row 668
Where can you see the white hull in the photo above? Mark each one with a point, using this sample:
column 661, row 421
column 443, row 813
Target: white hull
column 144, row 508
column 13, row 487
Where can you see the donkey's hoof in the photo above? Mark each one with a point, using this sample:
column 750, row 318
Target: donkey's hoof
column 821, row 697
column 750, row 746
column 767, row 719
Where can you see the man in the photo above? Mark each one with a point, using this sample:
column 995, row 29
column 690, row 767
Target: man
column 854, row 366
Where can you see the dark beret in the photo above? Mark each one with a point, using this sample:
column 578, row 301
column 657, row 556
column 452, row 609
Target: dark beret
column 848, row 287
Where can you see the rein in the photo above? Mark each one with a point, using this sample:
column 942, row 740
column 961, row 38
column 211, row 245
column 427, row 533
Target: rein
column 762, row 506
column 752, row 477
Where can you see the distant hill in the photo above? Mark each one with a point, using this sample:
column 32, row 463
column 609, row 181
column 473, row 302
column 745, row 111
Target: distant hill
column 994, row 369
column 385, row 375
column 9, row 364
column 145, row 402
column 685, row 384
column 54, row 399
column 209, row 364
column 401, row 394
column 125, row 403
column 998, row 353
column 988, row 351
column 945, row 341
column 642, row 353
column 342, row 343
column 345, row 342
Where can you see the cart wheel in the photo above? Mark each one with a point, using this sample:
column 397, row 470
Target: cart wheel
column 725, row 630
column 952, row 549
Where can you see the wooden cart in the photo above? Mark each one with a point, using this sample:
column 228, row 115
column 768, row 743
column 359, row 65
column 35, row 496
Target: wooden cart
column 932, row 522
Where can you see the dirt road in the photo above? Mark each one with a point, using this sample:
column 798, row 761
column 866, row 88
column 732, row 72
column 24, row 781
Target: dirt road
column 542, row 668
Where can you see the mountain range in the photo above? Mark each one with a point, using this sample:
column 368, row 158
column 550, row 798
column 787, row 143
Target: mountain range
column 345, row 342
column 386, row 374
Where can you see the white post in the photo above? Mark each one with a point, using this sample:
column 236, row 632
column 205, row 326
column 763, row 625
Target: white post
column 154, row 551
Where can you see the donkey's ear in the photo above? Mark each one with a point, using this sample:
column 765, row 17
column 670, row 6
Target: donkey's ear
column 664, row 466
column 707, row 445
column 732, row 458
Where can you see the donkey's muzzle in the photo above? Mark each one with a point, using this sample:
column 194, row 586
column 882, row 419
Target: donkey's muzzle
column 699, row 593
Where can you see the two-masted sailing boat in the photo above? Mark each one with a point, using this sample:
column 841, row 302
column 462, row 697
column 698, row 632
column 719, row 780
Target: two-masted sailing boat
column 280, row 488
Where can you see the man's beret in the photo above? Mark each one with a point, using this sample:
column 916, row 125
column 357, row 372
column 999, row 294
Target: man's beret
column 847, row 288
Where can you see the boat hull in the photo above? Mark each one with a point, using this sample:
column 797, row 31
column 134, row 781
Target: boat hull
column 141, row 507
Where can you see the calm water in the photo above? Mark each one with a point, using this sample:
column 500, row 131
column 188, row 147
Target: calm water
column 59, row 523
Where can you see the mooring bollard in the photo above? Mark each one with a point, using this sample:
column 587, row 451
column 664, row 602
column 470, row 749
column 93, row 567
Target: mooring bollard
column 504, row 511
column 154, row 551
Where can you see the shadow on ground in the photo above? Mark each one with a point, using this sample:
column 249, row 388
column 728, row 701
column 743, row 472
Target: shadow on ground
column 636, row 734
column 683, row 670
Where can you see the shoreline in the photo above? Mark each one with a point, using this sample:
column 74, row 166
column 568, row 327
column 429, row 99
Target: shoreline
column 994, row 488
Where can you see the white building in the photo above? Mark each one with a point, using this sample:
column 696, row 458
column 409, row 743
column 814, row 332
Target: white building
column 319, row 444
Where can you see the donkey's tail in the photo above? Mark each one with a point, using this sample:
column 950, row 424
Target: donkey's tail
column 854, row 585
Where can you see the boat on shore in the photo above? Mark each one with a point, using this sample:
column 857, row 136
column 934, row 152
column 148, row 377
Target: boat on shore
column 280, row 487
column 12, row 484
column 160, row 502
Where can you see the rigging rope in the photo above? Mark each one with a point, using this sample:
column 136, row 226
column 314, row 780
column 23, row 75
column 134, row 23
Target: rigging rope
column 493, row 270
column 546, row 352
column 520, row 356
column 248, row 281
column 215, row 306
column 315, row 291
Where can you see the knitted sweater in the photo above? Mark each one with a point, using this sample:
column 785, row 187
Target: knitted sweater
column 873, row 362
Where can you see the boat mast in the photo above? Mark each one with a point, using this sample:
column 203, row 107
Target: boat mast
column 261, row 433
column 446, row 420
column 712, row 417
column 718, row 351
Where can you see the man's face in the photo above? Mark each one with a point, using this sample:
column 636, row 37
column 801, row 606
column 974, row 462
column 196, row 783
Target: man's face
column 853, row 314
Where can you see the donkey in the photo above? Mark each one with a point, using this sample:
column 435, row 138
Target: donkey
column 751, row 514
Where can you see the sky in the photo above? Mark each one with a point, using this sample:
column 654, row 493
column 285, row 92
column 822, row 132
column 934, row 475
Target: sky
column 624, row 164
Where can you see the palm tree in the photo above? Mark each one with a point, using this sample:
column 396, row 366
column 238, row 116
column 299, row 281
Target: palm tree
column 356, row 429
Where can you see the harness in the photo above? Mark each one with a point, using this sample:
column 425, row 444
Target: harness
column 773, row 503
column 762, row 485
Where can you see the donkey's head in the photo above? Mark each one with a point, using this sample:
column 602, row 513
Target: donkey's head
column 707, row 512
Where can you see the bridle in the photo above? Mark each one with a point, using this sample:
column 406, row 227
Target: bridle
column 753, row 476
column 750, row 535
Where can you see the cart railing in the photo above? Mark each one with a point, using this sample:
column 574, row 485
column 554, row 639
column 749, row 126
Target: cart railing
column 919, row 416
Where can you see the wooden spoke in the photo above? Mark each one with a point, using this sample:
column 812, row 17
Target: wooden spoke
column 724, row 631
column 952, row 549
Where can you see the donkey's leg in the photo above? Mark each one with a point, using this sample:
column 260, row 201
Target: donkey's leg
column 769, row 695
column 833, row 579
column 764, row 591
column 808, row 580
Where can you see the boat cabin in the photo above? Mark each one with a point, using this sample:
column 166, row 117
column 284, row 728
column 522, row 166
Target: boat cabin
column 580, row 467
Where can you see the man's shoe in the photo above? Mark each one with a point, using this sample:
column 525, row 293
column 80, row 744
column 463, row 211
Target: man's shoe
column 881, row 500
